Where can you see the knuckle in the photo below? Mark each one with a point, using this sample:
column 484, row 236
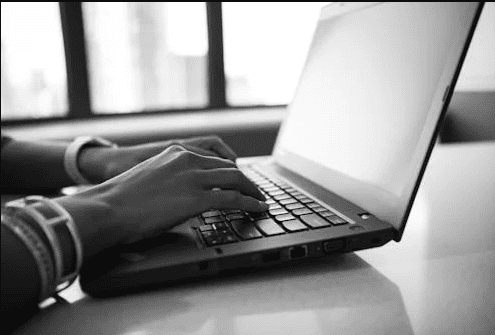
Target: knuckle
column 175, row 147
column 233, row 198
column 186, row 156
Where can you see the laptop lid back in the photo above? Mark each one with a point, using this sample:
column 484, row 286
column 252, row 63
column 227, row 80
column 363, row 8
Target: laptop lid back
column 376, row 80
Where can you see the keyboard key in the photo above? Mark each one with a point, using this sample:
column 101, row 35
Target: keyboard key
column 314, row 221
column 301, row 211
column 294, row 225
column 287, row 201
column 270, row 201
column 326, row 213
column 278, row 211
column 205, row 228
column 294, row 206
column 269, row 227
column 214, row 219
column 281, row 197
column 319, row 209
column 211, row 213
column 305, row 200
column 336, row 220
column 274, row 206
column 274, row 193
column 212, row 241
column 221, row 226
column 284, row 217
column 313, row 205
column 247, row 231
column 230, row 238
column 236, row 216
column 209, row 234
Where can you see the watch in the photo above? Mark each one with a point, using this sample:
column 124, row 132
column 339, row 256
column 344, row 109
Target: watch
column 72, row 153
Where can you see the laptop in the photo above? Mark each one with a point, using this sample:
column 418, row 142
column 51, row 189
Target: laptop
column 348, row 159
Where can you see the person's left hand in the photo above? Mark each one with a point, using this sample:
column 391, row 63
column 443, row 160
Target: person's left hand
column 98, row 164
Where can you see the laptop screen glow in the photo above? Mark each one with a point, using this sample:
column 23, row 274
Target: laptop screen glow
column 369, row 99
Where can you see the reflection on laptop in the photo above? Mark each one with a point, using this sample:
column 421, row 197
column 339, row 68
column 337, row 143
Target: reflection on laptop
column 348, row 159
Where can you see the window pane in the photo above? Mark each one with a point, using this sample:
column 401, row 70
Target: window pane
column 146, row 55
column 265, row 48
column 34, row 79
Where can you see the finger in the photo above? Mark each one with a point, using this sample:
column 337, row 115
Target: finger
column 201, row 151
column 234, row 200
column 230, row 179
column 203, row 162
column 220, row 147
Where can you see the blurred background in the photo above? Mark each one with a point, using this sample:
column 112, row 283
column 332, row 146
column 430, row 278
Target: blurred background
column 67, row 62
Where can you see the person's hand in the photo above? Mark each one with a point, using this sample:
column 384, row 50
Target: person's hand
column 164, row 191
column 101, row 163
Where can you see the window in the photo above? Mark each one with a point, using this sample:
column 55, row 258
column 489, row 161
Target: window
column 478, row 70
column 132, row 57
column 146, row 55
column 34, row 80
column 265, row 48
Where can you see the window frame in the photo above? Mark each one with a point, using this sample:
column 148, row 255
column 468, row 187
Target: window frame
column 78, row 85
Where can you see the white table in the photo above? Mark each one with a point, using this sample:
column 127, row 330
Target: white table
column 440, row 279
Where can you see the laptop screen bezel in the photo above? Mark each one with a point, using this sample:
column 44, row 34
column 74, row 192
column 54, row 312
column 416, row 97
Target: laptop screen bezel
column 435, row 115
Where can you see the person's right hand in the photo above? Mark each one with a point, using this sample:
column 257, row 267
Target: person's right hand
column 171, row 187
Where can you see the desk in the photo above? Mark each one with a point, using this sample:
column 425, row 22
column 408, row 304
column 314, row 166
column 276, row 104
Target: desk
column 440, row 279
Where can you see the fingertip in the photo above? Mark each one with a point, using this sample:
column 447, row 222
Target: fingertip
column 263, row 206
column 261, row 196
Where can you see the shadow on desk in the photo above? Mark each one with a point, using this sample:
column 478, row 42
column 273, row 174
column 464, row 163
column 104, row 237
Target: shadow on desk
column 342, row 293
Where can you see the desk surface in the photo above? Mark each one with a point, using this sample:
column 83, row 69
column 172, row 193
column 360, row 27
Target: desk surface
column 440, row 279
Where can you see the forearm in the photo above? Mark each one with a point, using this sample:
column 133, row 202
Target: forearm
column 22, row 271
column 20, row 280
column 31, row 165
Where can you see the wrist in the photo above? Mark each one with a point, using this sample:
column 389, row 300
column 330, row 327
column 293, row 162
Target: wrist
column 91, row 163
column 95, row 219
column 77, row 168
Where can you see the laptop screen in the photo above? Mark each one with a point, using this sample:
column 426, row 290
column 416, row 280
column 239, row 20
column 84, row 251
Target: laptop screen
column 369, row 98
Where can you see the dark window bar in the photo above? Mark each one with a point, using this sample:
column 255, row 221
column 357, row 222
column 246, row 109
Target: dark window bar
column 216, row 73
column 76, row 59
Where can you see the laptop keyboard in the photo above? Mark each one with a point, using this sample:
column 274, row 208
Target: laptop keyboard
column 290, row 212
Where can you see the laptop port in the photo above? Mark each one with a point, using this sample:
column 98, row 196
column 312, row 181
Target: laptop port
column 203, row 265
column 300, row 251
column 272, row 256
column 330, row 247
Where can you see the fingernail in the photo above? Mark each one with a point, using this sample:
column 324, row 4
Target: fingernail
column 263, row 206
